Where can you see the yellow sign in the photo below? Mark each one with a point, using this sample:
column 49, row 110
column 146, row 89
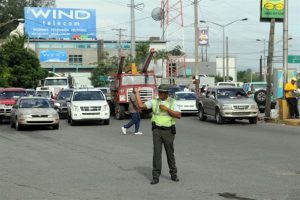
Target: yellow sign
column 272, row 9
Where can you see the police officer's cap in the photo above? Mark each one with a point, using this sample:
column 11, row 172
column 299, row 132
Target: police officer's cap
column 163, row 88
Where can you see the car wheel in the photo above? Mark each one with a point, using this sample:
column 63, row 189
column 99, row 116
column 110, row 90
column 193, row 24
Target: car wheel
column 12, row 124
column 55, row 127
column 107, row 122
column 202, row 117
column 260, row 97
column 69, row 118
column 119, row 111
column 72, row 122
column 219, row 118
column 18, row 126
column 253, row 120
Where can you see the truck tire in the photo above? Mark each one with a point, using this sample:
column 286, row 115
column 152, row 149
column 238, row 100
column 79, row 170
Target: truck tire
column 253, row 120
column 219, row 118
column 202, row 117
column 119, row 111
column 260, row 97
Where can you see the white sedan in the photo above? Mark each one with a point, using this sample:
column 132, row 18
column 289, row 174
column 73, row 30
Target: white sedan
column 187, row 102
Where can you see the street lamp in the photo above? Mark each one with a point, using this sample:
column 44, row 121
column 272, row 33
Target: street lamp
column 223, row 29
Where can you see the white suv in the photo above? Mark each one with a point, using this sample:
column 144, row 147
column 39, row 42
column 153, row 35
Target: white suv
column 88, row 105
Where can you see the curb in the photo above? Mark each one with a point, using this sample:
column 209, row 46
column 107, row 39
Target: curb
column 290, row 122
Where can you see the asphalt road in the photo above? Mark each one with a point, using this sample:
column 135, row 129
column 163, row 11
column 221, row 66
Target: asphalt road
column 90, row 162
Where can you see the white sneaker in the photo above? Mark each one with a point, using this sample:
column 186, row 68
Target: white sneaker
column 138, row 133
column 124, row 130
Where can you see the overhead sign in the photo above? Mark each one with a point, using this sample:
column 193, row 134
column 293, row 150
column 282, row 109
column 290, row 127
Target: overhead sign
column 53, row 56
column 294, row 59
column 203, row 36
column 272, row 9
column 62, row 23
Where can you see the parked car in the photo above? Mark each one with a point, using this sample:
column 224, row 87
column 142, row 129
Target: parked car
column 60, row 102
column 88, row 105
column 173, row 89
column 33, row 111
column 234, row 84
column 227, row 103
column 187, row 102
column 30, row 92
column 106, row 92
column 258, row 92
column 8, row 98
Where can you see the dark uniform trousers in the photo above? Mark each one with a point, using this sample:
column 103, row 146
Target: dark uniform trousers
column 293, row 106
column 166, row 138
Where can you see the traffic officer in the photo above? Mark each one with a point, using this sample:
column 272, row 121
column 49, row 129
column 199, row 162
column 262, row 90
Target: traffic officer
column 165, row 111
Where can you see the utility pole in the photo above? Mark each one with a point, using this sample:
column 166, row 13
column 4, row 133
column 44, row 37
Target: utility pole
column 227, row 61
column 133, row 6
column 269, row 69
column 120, row 37
column 197, row 78
column 260, row 68
column 285, row 42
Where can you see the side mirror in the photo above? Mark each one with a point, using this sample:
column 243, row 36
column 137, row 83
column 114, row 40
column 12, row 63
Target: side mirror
column 15, row 107
column 68, row 99
column 212, row 97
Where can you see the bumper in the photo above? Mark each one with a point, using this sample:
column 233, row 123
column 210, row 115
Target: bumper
column 62, row 110
column 239, row 114
column 38, row 121
column 90, row 116
column 5, row 112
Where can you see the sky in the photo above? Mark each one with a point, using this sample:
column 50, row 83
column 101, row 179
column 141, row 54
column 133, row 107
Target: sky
column 242, row 35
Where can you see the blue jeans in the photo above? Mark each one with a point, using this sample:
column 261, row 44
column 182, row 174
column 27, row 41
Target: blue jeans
column 135, row 119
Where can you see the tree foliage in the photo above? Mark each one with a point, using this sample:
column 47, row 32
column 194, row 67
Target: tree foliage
column 247, row 76
column 14, row 9
column 19, row 67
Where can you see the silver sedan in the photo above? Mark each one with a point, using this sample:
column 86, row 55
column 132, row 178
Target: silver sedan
column 32, row 111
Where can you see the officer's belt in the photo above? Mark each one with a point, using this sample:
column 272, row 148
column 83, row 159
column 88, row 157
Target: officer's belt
column 162, row 127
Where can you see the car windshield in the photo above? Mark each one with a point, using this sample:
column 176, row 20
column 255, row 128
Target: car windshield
column 259, row 86
column 231, row 93
column 45, row 94
column 88, row 96
column 134, row 80
column 186, row 96
column 11, row 94
column 64, row 95
column 34, row 103
column 172, row 90
column 104, row 90
column 49, row 82
column 30, row 92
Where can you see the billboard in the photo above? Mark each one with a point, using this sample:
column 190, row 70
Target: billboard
column 53, row 56
column 61, row 23
column 203, row 36
column 272, row 9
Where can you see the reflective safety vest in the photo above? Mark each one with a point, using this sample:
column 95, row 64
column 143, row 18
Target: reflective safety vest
column 162, row 118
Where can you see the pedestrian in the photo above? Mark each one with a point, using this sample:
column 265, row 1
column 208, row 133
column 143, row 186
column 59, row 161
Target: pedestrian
column 292, row 101
column 135, row 115
column 164, row 112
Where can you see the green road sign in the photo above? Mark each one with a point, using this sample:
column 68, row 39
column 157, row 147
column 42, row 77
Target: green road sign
column 294, row 59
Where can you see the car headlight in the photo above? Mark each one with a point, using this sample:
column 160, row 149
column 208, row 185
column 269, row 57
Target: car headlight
column 227, row 107
column 25, row 116
column 53, row 116
column 122, row 98
column 75, row 108
column 57, row 104
column 105, row 108
column 254, row 106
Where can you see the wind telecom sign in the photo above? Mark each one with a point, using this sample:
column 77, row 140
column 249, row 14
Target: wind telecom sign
column 62, row 23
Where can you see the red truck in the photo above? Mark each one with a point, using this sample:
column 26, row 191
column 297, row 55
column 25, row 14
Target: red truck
column 123, row 84
column 8, row 98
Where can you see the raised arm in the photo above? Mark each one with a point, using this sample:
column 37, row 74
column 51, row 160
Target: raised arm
column 173, row 113
column 141, row 105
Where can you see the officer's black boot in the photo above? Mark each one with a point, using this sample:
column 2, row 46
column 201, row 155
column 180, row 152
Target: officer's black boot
column 154, row 181
column 174, row 178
